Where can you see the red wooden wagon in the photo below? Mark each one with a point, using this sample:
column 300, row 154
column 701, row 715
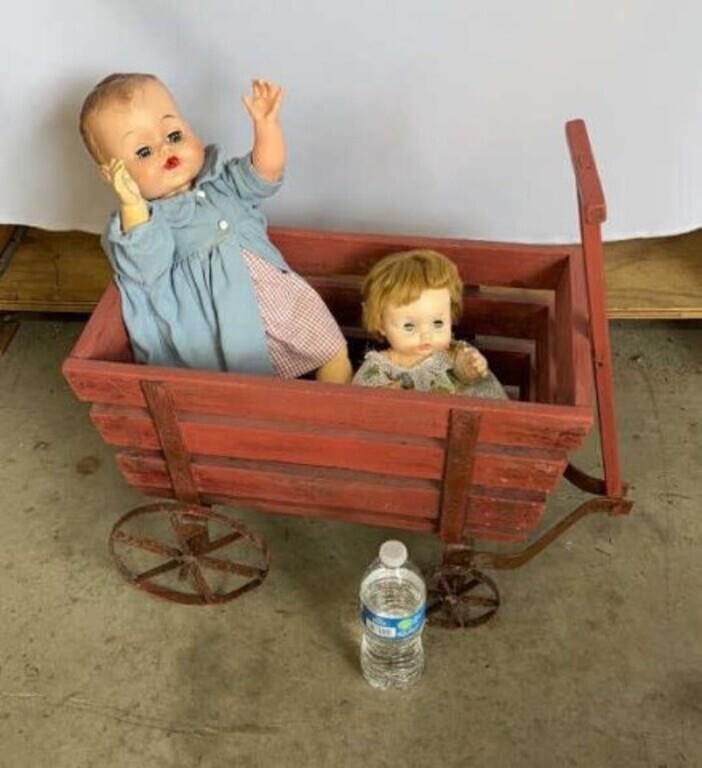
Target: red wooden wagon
column 458, row 467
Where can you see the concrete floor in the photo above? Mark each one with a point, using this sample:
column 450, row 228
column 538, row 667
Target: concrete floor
column 595, row 659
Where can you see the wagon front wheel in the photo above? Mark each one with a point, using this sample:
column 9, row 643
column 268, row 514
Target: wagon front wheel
column 460, row 597
column 188, row 554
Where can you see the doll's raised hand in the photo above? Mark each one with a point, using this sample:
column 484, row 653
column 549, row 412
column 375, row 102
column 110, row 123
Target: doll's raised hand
column 468, row 364
column 264, row 103
column 123, row 184
column 268, row 152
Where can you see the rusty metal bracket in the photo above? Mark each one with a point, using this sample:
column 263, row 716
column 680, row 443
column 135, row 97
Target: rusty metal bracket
column 459, row 595
column 11, row 246
column 597, row 486
column 467, row 557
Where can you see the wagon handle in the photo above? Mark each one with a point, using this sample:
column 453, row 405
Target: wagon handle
column 593, row 211
column 591, row 200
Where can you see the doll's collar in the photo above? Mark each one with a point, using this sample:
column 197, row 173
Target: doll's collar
column 211, row 167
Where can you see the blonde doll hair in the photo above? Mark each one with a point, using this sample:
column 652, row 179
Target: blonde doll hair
column 400, row 278
column 120, row 86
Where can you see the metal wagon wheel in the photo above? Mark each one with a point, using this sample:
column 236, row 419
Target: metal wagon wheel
column 460, row 597
column 188, row 556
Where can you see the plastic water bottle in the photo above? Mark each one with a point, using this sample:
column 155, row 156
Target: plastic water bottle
column 393, row 600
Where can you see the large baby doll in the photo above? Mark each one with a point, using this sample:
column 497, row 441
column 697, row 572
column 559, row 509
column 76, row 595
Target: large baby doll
column 201, row 284
column 410, row 301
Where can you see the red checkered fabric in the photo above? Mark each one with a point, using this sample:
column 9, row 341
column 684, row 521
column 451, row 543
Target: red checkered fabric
column 302, row 334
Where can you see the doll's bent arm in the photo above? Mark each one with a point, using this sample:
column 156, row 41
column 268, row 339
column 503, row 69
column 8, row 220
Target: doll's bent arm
column 133, row 209
column 248, row 185
column 468, row 364
column 268, row 153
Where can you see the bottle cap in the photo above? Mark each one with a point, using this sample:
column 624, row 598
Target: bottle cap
column 393, row 553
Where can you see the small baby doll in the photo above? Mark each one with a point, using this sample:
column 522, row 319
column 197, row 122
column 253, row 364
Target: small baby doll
column 410, row 301
column 202, row 286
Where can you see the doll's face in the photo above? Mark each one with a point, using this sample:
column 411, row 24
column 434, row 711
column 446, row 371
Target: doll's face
column 418, row 329
column 158, row 147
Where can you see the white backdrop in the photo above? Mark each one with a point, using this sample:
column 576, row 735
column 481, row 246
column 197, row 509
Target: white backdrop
column 401, row 115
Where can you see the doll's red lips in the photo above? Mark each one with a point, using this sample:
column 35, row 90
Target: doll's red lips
column 171, row 163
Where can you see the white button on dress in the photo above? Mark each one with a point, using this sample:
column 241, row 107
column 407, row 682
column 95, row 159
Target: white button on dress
column 200, row 194
column 223, row 224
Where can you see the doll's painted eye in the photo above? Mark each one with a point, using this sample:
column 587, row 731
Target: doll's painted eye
column 175, row 136
column 438, row 324
column 143, row 152
column 409, row 327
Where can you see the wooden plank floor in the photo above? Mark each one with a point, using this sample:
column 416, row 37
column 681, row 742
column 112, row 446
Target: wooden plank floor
column 655, row 278
column 55, row 272
column 67, row 272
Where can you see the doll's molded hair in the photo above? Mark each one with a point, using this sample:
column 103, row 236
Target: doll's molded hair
column 400, row 278
column 121, row 86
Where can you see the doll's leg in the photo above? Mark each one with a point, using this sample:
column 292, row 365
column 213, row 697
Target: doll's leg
column 338, row 370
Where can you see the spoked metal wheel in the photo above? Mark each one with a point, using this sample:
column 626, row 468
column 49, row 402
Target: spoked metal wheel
column 460, row 597
column 188, row 554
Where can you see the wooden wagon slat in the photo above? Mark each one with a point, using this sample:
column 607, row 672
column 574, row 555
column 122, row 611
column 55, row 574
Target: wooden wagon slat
column 104, row 336
column 312, row 252
column 495, row 314
column 339, row 487
column 280, row 442
column 504, row 514
column 506, row 422
column 505, row 471
column 234, row 479
column 574, row 370
column 496, row 518
column 496, row 534
column 302, row 510
column 506, row 466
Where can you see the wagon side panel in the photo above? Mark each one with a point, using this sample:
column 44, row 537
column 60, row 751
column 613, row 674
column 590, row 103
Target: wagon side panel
column 321, row 466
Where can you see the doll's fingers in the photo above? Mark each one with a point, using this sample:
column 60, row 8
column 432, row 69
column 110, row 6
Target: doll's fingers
column 117, row 172
column 248, row 104
column 277, row 101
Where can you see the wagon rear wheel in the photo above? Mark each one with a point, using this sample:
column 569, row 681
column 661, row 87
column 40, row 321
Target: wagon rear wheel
column 188, row 554
column 460, row 597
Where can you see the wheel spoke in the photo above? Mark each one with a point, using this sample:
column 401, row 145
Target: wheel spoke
column 482, row 600
column 227, row 566
column 200, row 582
column 461, row 590
column 219, row 543
column 157, row 571
column 148, row 545
column 434, row 603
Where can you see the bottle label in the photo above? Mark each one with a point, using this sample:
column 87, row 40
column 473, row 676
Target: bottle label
column 393, row 628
